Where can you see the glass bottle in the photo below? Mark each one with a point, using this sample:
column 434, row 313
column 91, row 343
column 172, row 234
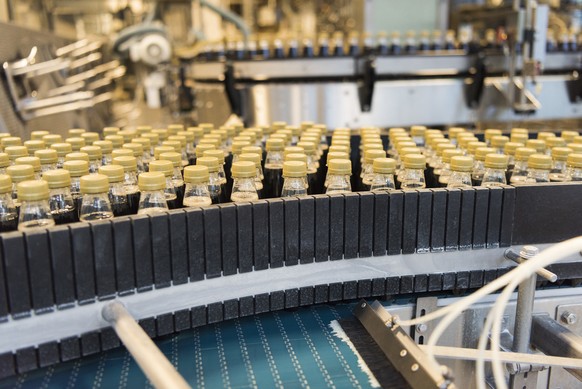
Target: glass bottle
column 4, row 162
column 495, row 167
column 95, row 157
column 8, row 212
column 256, row 159
column 95, row 204
column 479, row 164
column 383, row 175
column 61, row 201
column 138, row 153
column 32, row 161
column 294, row 179
column 167, row 168
column 215, row 186
column 177, row 181
column 130, row 185
column 152, row 186
column 539, row 166
column 106, row 148
column 461, row 168
column 559, row 168
column 35, row 211
column 18, row 174
column 76, row 169
column 273, row 172
column 519, row 173
column 244, row 174
column 338, row 176
column 117, row 195
column 574, row 163
column 48, row 159
column 196, row 193
column 413, row 174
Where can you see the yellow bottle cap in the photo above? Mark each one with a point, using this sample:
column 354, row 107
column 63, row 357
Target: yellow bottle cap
column 94, row 184
column 197, row 131
column 37, row 135
column 441, row 147
column 116, row 140
column 32, row 161
column 177, row 146
column 175, row 128
column 251, row 157
column 496, row 161
column 11, row 141
column 574, row 160
column 455, row 131
column 472, row 146
column 238, row 146
column 189, row 136
column 523, row 153
column 122, row 153
column 396, row 130
column 154, row 138
column 129, row 163
column 5, row 183
column 306, row 124
column 4, row 160
column 20, row 173
column 384, row 165
column 414, row 161
column 16, row 152
column 576, row 147
column 165, row 167
column 76, row 143
column 371, row 155
column 543, row 135
column 569, row 135
column 58, row 178
column 244, row 169
column 76, row 168
column 196, row 174
column 464, row 139
column 34, row 145
column 342, row 149
column 136, row 148
column 417, row 131
column 537, row 144
column 481, row 152
column 143, row 129
column 372, row 146
column 218, row 154
column 278, row 125
column 162, row 133
column 293, row 150
column 207, row 127
column 253, row 150
column 519, row 138
column 115, row 173
column 498, row 141
column 510, row 147
column 339, row 167
column 94, row 152
column 539, row 161
column 177, row 138
column 211, row 163
column 110, row 131
column 336, row 142
column 524, row 131
column 33, row 190
column 555, row 141
column 127, row 135
column 224, row 134
column 461, row 164
column 90, row 137
column 275, row 144
column 75, row 132
column 106, row 146
column 491, row 132
column 78, row 156
column 450, row 153
column 243, row 139
column 52, row 139
column 62, row 149
column 295, row 130
column 338, row 155
column 561, row 153
column 201, row 149
column 214, row 140
column 175, row 158
column 408, row 150
column 46, row 156
column 308, row 147
column 301, row 157
column 295, row 169
column 144, row 142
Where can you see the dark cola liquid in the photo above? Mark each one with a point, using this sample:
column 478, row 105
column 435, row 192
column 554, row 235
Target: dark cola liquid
column 273, row 183
column 133, row 202
column 179, row 195
column 119, row 205
column 65, row 216
column 9, row 222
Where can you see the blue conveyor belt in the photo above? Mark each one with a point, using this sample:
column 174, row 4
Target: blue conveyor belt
column 288, row 349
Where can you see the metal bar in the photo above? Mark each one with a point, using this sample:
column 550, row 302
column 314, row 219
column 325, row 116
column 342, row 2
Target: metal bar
column 554, row 339
column 523, row 314
column 466, row 354
column 148, row 356
column 544, row 273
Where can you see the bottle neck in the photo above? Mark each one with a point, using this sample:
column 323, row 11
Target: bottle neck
column 337, row 183
column 35, row 214
column 538, row 175
column 494, row 177
column 458, row 179
column 244, row 189
column 382, row 182
column 274, row 160
column 294, row 186
column 197, row 195
column 152, row 201
column 413, row 179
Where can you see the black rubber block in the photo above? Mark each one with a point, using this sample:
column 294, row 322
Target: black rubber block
column 480, row 217
column 276, row 232
column 62, row 263
column 453, row 220
column 466, row 221
column 123, row 252
column 291, row 209
column 215, row 313
column 449, row 280
column 321, row 294
column 424, row 221
column 306, row 295
column 421, row 283
column 351, row 224
column 212, row 242
column 40, row 271
column 507, row 213
column 84, row 262
column 109, row 339
column 395, row 223
column 435, row 282
column 406, row 284
column 48, row 354
column 16, row 274
column 230, row 309
column 229, row 239
column 26, row 360
column 246, row 306
column 494, row 217
column 336, row 227
column 262, row 303
column 364, row 288
column 462, row 280
column 277, row 300
column 195, row 236
column 366, row 238
column 381, row 207
column 350, row 290
column 438, row 224
column 161, row 254
column 392, row 286
column 336, row 291
column 7, row 365
column 179, row 246
column 244, row 216
column 322, row 228
column 409, row 222
column 306, row 229
column 291, row 298
column 182, row 320
column 142, row 253
column 70, row 348
column 149, row 326
column 261, row 234
column 90, row 343
column 164, row 324
column 378, row 287
column 199, row 316
column 104, row 259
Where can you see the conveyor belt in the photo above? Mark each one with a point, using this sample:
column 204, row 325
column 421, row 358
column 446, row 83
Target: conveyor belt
column 292, row 348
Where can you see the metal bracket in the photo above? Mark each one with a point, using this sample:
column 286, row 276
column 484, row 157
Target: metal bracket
column 366, row 86
column 400, row 349
column 424, row 306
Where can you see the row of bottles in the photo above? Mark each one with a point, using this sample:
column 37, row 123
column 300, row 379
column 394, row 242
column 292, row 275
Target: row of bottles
column 85, row 177
column 354, row 44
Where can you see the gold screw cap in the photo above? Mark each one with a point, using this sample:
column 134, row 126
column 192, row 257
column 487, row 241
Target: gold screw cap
column 105, row 145
column 129, row 163
column 275, row 144
column 461, row 164
column 136, row 148
column 523, row 153
column 196, row 174
column 339, row 167
column 32, row 161
column 94, row 184
column 539, row 161
column 211, row 163
column 58, row 178
column 20, row 173
column 33, row 190
column 496, row 161
column 165, row 167
column 175, row 158
column 294, row 169
column 251, row 157
column 77, row 156
column 151, row 181
column 77, row 168
column 296, row 157
column 384, row 165
column 414, row 161
column 94, row 152
column 5, row 183
column 115, row 173
column 244, row 169
column 574, row 160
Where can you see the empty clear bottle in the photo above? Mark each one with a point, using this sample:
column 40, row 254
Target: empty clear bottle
column 35, row 211
column 95, row 157
column 106, row 147
column 215, row 185
column 95, row 204
column 495, row 167
column 559, row 168
column 413, row 174
column 8, row 212
column 338, row 176
column 48, row 159
column 196, row 193
column 77, row 169
column 62, row 205
column 152, row 186
column 519, row 173
column 539, row 166
column 383, row 175
column 256, row 159
column 574, row 163
column 461, row 168
column 167, row 168
column 294, row 178
column 243, row 188
column 129, row 181
column 117, row 194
